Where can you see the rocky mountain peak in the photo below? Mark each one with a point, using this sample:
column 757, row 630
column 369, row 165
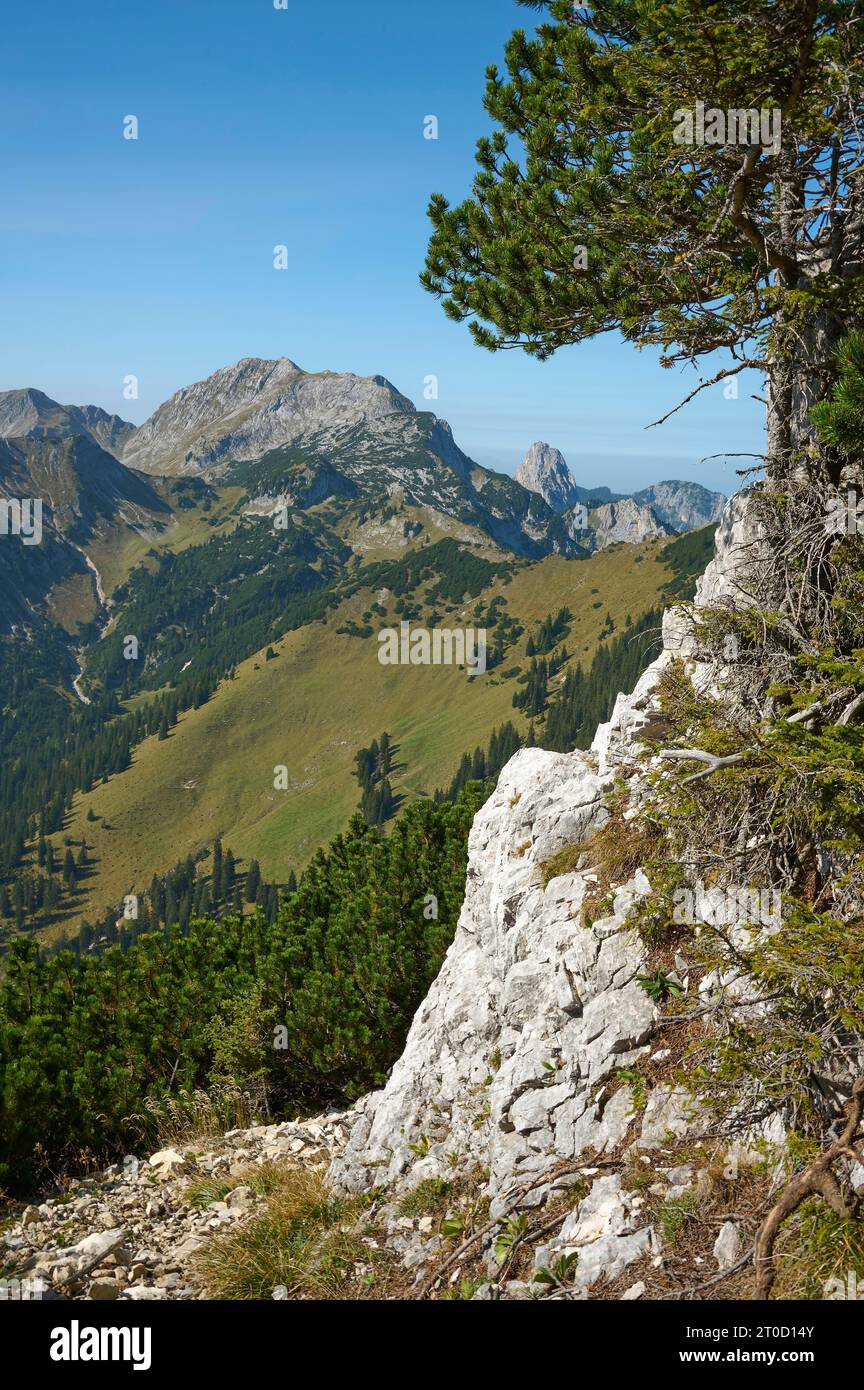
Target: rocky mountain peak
column 27, row 410
column 256, row 404
column 627, row 521
column 544, row 469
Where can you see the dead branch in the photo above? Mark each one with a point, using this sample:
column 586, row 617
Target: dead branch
column 817, row 1180
column 757, row 363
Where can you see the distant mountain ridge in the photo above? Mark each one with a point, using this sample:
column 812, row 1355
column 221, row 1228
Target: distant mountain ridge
column 666, row 508
column 298, row 438
column 85, row 493
column 26, row 410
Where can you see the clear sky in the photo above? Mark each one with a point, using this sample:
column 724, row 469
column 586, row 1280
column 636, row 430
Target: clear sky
column 300, row 126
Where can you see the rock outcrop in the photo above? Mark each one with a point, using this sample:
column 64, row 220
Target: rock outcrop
column 544, row 470
column 667, row 508
column 626, row 521
column 681, row 505
column 516, row 1062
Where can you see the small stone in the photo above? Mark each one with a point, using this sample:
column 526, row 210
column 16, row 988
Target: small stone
column 635, row 1291
column 240, row 1197
column 704, row 1184
column 30, row 1217
column 168, row 1162
column 727, row 1247
column 103, row 1290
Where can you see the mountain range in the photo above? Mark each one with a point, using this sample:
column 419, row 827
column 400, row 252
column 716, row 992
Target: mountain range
column 296, row 438
column 204, row 603
column 663, row 508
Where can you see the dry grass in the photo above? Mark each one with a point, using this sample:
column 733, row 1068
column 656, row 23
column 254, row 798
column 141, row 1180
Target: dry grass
column 197, row 1115
column 614, row 854
column 307, row 1242
column 263, row 1178
column 816, row 1247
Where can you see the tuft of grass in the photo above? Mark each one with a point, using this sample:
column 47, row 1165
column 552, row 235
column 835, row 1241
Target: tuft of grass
column 426, row 1198
column 563, row 861
column 673, row 1215
column 197, row 1115
column 819, row 1246
column 262, row 1178
column 308, row 1241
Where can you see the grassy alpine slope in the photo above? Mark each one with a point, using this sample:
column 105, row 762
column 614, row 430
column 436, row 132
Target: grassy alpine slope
column 309, row 710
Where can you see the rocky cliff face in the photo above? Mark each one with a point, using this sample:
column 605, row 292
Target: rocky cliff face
column 681, row 506
column 625, row 521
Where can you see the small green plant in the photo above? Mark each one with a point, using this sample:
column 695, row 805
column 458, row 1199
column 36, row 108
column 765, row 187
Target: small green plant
column 632, row 1077
column 425, row 1197
column 453, row 1227
column 422, row 1147
column 509, row 1233
column 674, row 1213
column 560, row 1271
column 660, row 986
column 463, row 1292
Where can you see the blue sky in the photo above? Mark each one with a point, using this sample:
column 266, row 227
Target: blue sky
column 301, row 127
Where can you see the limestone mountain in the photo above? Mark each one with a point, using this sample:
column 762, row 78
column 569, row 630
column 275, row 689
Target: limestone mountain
column 626, row 521
column 299, row 437
column 680, row 505
column 26, row 410
column 242, row 411
column 663, row 508
column 545, row 470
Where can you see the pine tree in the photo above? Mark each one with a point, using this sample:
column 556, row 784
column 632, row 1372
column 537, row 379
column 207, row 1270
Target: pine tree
column 227, row 874
column 253, row 878
column 596, row 206
column 216, row 872
column 69, row 874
